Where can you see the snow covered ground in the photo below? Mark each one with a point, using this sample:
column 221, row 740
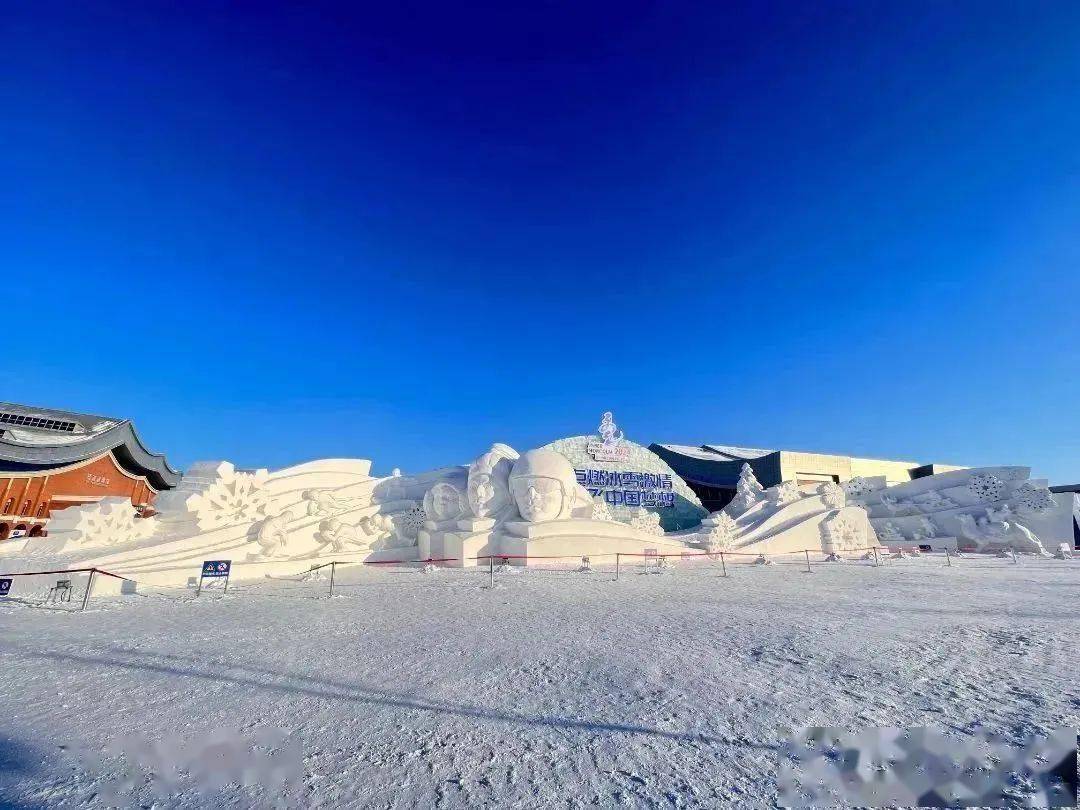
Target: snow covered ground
column 553, row 689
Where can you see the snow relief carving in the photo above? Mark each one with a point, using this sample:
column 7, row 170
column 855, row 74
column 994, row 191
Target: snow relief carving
column 834, row 495
column 926, row 529
column 108, row 522
column 842, row 533
column 988, row 534
column 211, row 495
column 489, row 482
column 1031, row 499
column 273, row 536
column 934, row 501
column 444, row 502
column 986, row 487
column 786, row 492
column 340, row 537
column 600, row 510
column 645, row 521
column 858, row 487
column 324, row 503
column 890, row 533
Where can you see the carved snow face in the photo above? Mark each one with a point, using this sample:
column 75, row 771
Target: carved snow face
column 488, row 491
column 481, row 494
column 539, row 499
column 443, row 502
column 543, row 486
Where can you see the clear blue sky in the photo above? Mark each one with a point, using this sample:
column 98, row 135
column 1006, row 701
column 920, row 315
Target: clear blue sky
column 403, row 231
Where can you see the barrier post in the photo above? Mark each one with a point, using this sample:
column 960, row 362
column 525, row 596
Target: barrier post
column 491, row 572
column 875, row 557
column 1015, row 561
column 806, row 551
column 723, row 565
column 617, row 557
column 333, row 566
column 89, row 585
column 948, row 558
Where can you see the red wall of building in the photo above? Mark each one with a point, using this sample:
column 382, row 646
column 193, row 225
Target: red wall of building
column 28, row 500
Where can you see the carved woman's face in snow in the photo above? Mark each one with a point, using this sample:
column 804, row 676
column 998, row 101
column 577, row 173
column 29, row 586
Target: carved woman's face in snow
column 481, row 494
column 538, row 499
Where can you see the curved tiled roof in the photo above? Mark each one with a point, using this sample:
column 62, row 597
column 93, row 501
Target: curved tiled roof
column 59, row 438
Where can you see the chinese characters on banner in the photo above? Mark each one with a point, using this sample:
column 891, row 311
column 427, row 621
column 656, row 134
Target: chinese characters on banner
column 651, row 490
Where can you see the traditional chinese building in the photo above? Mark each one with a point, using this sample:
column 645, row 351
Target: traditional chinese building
column 52, row 459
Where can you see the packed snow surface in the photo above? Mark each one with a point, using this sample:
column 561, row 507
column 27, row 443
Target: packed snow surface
column 555, row 688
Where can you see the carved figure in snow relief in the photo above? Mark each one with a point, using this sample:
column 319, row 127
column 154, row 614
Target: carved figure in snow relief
column 273, row 534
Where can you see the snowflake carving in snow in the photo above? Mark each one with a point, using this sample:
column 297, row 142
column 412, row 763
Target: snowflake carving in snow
column 834, row 496
column 986, row 487
column 857, row 487
column 1031, row 499
column 787, row 492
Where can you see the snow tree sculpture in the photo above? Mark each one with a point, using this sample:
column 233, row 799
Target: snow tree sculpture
column 718, row 532
column 747, row 492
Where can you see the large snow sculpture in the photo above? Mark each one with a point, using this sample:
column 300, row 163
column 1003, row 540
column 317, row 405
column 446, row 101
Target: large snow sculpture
column 747, row 492
column 108, row 522
column 211, row 495
column 489, row 482
column 544, row 486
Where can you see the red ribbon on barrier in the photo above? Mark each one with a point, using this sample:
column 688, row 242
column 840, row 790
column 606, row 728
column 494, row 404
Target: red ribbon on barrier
column 68, row 571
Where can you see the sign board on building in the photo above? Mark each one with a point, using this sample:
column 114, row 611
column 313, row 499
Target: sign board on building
column 18, row 533
column 627, row 477
column 5, row 587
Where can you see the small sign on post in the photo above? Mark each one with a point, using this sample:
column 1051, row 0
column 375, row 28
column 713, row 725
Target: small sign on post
column 652, row 553
column 215, row 569
column 5, row 587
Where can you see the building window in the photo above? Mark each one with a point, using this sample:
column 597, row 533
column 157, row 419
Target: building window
column 41, row 508
column 9, row 506
column 26, row 507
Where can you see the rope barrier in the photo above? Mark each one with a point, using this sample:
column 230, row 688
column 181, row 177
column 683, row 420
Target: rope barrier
column 67, row 571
